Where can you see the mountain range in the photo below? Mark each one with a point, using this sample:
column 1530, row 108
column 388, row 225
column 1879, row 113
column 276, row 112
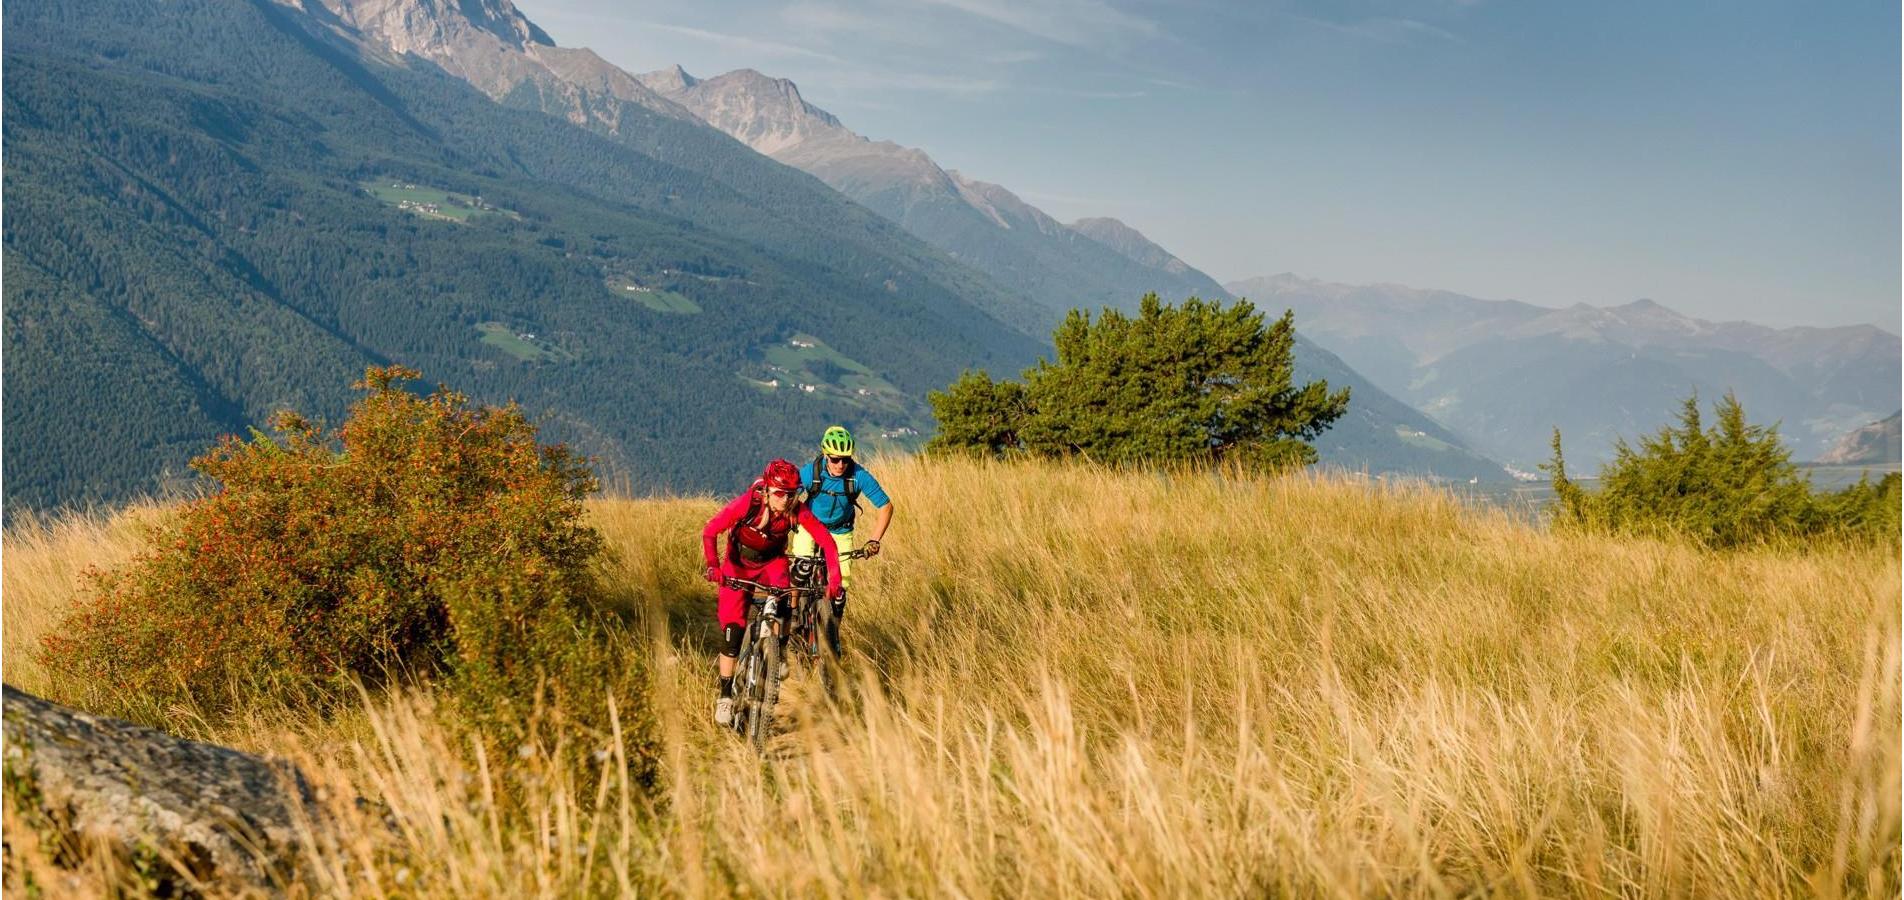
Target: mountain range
column 1503, row 374
column 1039, row 269
column 221, row 208
column 1089, row 264
column 1057, row 266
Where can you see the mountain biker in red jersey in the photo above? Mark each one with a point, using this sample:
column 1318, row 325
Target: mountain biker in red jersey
column 757, row 524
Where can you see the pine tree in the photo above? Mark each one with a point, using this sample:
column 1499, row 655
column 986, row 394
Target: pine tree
column 1199, row 381
column 1726, row 485
column 977, row 413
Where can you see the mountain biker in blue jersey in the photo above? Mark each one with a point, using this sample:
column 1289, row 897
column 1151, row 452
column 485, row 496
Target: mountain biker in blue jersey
column 834, row 483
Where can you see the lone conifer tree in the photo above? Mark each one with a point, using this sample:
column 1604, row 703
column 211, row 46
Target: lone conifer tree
column 1199, row 381
column 1723, row 485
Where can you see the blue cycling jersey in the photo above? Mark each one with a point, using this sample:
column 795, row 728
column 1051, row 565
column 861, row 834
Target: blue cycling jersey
column 830, row 506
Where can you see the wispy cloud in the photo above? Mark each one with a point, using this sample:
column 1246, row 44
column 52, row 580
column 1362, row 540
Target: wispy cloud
column 955, row 85
column 828, row 18
column 862, row 81
column 1085, row 94
column 1008, row 57
column 1385, row 29
column 1077, row 23
column 741, row 42
column 889, row 28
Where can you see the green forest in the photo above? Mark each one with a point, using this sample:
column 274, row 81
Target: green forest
column 190, row 246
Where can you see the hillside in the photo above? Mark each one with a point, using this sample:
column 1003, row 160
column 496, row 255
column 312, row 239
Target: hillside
column 1502, row 374
column 201, row 236
column 1091, row 264
column 217, row 209
column 1877, row 443
column 494, row 48
column 1288, row 686
column 982, row 224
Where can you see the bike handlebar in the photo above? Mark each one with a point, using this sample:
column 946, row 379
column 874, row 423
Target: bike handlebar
column 855, row 553
column 742, row 584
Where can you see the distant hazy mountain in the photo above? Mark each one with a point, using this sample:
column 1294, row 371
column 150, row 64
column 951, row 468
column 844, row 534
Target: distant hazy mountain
column 1876, row 443
column 1038, row 268
column 1503, row 374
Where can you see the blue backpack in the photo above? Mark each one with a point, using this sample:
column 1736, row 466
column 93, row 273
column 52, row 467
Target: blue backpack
column 814, row 486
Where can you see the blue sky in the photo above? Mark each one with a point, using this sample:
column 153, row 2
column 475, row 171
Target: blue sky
column 1731, row 160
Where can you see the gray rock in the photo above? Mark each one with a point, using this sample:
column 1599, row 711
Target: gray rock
column 229, row 817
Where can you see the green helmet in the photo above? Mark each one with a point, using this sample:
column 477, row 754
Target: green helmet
column 837, row 441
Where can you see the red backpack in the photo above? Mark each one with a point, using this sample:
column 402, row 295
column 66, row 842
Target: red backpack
column 760, row 535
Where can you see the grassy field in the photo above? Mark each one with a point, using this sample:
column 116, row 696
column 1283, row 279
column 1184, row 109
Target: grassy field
column 1075, row 682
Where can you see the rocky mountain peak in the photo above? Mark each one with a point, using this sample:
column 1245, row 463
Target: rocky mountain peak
column 494, row 47
column 765, row 113
column 669, row 81
column 432, row 28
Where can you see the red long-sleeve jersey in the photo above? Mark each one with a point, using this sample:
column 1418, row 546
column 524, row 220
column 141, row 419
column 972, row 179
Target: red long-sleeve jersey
column 731, row 514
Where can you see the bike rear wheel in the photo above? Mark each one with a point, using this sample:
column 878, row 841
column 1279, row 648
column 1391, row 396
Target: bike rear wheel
column 827, row 661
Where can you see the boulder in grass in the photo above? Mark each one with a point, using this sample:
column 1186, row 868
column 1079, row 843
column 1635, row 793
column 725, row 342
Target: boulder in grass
column 223, row 817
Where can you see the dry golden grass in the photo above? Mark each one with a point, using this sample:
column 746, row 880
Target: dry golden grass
column 1077, row 682
column 45, row 560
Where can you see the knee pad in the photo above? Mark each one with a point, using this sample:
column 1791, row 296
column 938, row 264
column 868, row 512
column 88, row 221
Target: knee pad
column 730, row 636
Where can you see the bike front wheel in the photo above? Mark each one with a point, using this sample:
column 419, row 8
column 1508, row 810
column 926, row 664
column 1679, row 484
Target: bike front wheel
column 763, row 686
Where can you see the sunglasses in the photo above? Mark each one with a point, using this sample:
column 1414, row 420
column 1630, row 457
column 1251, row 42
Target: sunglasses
column 837, row 459
column 778, row 492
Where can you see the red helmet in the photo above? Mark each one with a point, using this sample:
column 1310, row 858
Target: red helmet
column 781, row 474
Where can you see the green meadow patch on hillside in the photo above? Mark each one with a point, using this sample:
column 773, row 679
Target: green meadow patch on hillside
column 522, row 345
column 805, row 363
column 1415, row 438
column 431, row 203
column 660, row 300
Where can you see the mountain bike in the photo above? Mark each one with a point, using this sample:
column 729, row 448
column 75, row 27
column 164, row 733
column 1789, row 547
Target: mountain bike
column 815, row 634
column 756, row 684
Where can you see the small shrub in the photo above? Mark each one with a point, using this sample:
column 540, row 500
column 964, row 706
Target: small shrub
column 430, row 537
column 1725, row 486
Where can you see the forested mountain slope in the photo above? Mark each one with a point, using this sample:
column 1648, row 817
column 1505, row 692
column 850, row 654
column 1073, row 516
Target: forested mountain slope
column 219, row 208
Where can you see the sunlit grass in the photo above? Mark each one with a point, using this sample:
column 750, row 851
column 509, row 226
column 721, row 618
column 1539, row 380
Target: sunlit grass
column 1078, row 682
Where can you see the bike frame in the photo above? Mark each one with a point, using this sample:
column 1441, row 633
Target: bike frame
column 755, row 690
